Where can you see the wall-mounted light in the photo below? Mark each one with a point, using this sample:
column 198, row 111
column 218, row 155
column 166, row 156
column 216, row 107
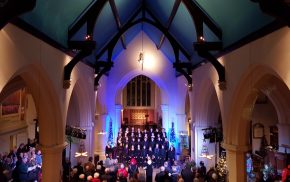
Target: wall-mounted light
column 102, row 133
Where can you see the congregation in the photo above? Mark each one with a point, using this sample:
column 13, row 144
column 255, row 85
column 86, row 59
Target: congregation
column 110, row 170
column 139, row 156
column 21, row 164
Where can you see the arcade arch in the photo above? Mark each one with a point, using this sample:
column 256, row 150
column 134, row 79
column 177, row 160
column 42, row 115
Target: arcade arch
column 259, row 80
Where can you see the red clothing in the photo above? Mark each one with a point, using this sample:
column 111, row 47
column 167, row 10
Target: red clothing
column 96, row 180
column 123, row 172
column 285, row 173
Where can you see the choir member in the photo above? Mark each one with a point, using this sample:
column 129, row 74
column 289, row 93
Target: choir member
column 149, row 152
column 126, row 153
column 108, row 150
column 146, row 142
column 162, row 154
column 132, row 152
column 144, row 155
column 171, row 154
column 152, row 143
column 138, row 155
column 155, row 157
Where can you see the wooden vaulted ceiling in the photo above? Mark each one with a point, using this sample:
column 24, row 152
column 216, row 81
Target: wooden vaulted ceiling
column 95, row 31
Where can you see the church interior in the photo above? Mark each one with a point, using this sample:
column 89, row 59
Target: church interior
column 211, row 77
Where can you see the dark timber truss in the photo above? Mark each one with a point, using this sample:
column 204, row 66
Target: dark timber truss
column 279, row 9
column 90, row 15
column 10, row 9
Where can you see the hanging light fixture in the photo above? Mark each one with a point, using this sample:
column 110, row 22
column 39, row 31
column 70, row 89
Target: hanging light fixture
column 82, row 152
column 141, row 54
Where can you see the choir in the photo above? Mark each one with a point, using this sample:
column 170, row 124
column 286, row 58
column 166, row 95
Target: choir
column 141, row 145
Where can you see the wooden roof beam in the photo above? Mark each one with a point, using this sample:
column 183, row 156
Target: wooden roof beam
column 13, row 8
column 93, row 9
column 200, row 16
column 117, row 19
column 169, row 21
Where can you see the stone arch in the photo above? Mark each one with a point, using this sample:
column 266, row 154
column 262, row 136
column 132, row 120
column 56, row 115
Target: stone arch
column 12, row 86
column 50, row 120
column 207, row 112
column 47, row 105
column 81, row 107
column 257, row 79
column 208, row 102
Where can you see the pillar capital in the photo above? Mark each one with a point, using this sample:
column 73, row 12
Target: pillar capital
column 164, row 107
column 54, row 149
column 118, row 107
column 236, row 148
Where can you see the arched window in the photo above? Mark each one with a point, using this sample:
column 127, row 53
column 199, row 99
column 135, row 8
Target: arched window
column 138, row 92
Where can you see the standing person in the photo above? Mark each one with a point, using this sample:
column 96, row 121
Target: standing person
column 120, row 153
column 66, row 169
column 202, row 170
column 89, row 167
column 138, row 155
column 23, row 171
column 133, row 169
column 176, row 170
column 126, row 154
column 156, row 157
column 187, row 173
column 149, row 170
column 144, row 155
column 162, row 176
column 150, row 153
column 108, row 150
column 132, row 152
column 122, row 173
column 171, row 155
column 249, row 166
column 162, row 155
column 286, row 174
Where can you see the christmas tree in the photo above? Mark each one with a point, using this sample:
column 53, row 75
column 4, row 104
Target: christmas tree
column 172, row 134
column 222, row 169
column 110, row 138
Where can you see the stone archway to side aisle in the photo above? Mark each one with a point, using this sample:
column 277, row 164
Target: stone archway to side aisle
column 51, row 128
column 258, row 79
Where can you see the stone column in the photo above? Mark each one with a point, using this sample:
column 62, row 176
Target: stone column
column 117, row 124
column 284, row 136
column 100, row 138
column 181, row 123
column 52, row 162
column 192, row 142
column 236, row 161
column 164, row 109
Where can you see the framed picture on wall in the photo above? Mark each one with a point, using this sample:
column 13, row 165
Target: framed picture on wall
column 258, row 130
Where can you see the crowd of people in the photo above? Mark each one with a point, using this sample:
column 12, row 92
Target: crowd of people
column 21, row 164
column 139, row 156
column 110, row 170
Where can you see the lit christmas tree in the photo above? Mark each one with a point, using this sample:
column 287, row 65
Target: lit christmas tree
column 110, row 137
column 222, row 169
column 172, row 134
